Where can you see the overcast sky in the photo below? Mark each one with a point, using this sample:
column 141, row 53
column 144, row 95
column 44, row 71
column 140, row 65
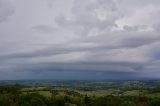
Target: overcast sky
column 79, row 39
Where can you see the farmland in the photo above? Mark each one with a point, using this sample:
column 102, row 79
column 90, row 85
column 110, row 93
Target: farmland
column 78, row 91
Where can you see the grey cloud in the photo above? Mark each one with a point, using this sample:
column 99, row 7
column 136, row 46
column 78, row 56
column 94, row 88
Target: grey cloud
column 105, row 70
column 131, row 28
column 81, row 66
column 92, row 36
column 50, row 3
column 92, row 45
column 157, row 27
column 88, row 15
column 44, row 29
column 140, row 39
column 6, row 10
column 154, row 51
column 150, row 70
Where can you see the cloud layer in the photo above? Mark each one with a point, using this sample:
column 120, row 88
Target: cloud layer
column 86, row 39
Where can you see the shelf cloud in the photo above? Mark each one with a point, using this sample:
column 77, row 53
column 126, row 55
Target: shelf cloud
column 79, row 39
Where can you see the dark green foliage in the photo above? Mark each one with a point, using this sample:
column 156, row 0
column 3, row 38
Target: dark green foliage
column 87, row 100
column 107, row 101
column 32, row 99
column 155, row 102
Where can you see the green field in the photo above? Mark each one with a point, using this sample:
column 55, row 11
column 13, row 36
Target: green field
column 80, row 93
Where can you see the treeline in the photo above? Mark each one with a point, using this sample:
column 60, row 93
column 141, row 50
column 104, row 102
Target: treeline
column 13, row 96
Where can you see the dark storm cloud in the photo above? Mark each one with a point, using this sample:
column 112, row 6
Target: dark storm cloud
column 82, row 66
column 101, row 71
column 108, row 38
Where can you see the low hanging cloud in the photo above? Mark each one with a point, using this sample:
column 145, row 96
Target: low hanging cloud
column 107, row 38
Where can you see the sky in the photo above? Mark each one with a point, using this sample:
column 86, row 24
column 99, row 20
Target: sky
column 79, row 39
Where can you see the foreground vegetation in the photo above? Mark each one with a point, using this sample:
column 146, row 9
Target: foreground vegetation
column 80, row 94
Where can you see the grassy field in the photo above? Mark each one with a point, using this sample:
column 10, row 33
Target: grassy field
column 45, row 93
column 131, row 93
column 124, row 88
column 92, row 93
column 97, row 93
column 33, row 88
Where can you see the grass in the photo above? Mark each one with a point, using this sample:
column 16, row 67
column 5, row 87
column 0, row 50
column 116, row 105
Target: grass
column 33, row 88
column 45, row 93
column 153, row 95
column 97, row 93
column 131, row 93
column 41, row 91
